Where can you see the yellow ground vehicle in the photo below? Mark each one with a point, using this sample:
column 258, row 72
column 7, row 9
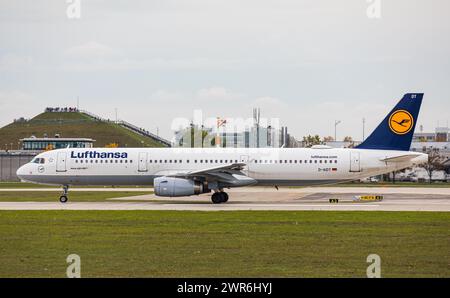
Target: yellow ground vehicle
column 368, row 198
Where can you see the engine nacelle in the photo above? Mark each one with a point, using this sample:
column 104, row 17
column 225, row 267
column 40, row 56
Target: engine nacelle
column 178, row 187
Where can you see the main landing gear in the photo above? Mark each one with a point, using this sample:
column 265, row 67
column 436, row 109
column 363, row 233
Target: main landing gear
column 219, row 197
column 63, row 198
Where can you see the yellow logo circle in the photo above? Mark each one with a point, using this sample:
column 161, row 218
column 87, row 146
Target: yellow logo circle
column 401, row 122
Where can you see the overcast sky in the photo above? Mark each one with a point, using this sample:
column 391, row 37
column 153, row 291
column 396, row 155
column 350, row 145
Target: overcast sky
column 305, row 62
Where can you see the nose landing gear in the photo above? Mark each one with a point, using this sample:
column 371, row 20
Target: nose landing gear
column 219, row 197
column 63, row 198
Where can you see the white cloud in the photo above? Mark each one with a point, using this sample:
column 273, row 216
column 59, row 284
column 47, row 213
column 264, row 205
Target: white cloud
column 91, row 50
column 268, row 102
column 16, row 97
column 166, row 97
column 117, row 63
column 14, row 62
column 15, row 104
column 219, row 95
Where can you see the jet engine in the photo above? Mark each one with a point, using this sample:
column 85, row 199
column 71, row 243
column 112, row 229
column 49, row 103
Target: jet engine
column 178, row 187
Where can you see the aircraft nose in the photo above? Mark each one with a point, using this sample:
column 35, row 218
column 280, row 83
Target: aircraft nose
column 21, row 172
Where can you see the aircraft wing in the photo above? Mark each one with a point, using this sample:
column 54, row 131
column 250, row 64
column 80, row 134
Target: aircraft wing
column 226, row 168
column 230, row 174
column 400, row 158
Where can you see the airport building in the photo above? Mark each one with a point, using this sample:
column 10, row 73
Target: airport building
column 441, row 134
column 253, row 137
column 42, row 144
column 253, row 134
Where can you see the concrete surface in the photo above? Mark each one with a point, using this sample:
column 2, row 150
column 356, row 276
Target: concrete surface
column 259, row 198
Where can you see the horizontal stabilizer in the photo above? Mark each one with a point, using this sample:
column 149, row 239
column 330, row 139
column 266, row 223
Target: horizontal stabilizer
column 400, row 158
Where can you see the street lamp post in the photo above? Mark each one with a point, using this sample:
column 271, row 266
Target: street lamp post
column 336, row 122
column 364, row 127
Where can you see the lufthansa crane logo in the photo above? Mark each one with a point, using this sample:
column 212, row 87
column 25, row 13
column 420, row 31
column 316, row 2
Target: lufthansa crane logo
column 401, row 122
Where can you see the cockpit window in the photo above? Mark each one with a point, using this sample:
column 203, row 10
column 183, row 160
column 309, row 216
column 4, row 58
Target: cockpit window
column 38, row 160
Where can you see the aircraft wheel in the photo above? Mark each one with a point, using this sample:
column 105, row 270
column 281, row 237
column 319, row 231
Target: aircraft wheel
column 63, row 199
column 224, row 197
column 216, row 198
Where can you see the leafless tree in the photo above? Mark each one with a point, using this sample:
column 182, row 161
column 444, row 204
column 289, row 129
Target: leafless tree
column 348, row 139
column 435, row 163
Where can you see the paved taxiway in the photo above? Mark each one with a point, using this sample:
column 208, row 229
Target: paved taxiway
column 259, row 198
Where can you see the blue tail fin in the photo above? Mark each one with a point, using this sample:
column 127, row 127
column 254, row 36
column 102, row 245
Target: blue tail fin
column 396, row 130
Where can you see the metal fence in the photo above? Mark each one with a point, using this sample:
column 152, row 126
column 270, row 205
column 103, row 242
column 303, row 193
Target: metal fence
column 10, row 163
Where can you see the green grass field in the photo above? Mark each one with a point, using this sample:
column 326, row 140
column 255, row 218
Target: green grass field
column 32, row 185
column 74, row 196
column 224, row 244
column 25, row 185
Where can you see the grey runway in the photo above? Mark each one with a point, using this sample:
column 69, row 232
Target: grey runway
column 258, row 198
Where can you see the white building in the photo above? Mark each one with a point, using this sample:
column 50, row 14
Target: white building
column 253, row 137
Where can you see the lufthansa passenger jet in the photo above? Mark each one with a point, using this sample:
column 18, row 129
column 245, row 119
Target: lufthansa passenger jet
column 176, row 172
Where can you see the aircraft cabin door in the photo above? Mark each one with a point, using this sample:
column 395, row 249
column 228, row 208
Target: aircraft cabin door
column 142, row 167
column 61, row 162
column 355, row 162
column 143, row 162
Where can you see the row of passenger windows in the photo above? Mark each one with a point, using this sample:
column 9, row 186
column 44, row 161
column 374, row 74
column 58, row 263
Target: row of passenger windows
column 226, row 161
column 297, row 161
column 103, row 161
column 262, row 161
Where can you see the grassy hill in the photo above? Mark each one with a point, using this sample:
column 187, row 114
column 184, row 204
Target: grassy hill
column 74, row 125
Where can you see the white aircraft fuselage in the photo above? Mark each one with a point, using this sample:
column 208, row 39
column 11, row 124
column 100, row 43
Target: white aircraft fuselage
column 278, row 167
